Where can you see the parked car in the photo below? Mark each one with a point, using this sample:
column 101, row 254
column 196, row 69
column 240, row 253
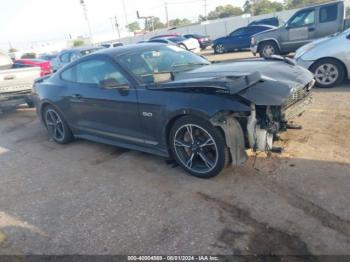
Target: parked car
column 45, row 66
column 304, row 26
column 164, row 100
column 52, row 59
column 67, row 56
column 239, row 39
column 267, row 21
column 190, row 44
column 112, row 44
column 165, row 35
column 204, row 41
column 16, row 82
column 328, row 58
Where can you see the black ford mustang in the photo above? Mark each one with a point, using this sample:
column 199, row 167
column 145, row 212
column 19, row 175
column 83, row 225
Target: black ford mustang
column 167, row 101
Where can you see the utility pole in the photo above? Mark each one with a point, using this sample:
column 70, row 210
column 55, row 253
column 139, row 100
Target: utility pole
column 205, row 9
column 125, row 13
column 145, row 18
column 117, row 26
column 82, row 2
column 166, row 14
column 112, row 23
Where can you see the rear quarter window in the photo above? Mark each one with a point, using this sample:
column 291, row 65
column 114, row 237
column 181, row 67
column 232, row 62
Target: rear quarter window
column 328, row 13
column 68, row 75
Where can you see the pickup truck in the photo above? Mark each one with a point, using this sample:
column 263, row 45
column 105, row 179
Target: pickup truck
column 306, row 25
column 16, row 82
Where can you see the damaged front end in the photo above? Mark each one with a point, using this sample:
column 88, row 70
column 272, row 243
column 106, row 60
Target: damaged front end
column 258, row 130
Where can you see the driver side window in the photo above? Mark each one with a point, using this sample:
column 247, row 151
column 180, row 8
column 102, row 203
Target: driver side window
column 93, row 72
column 303, row 18
column 238, row 32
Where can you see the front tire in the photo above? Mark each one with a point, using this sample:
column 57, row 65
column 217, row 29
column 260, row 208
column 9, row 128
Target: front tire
column 56, row 126
column 328, row 73
column 219, row 49
column 268, row 49
column 198, row 147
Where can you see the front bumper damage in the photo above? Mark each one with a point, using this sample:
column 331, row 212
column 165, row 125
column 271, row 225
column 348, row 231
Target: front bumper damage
column 257, row 132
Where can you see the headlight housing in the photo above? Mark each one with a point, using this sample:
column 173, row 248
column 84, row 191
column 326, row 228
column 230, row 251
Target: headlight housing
column 301, row 51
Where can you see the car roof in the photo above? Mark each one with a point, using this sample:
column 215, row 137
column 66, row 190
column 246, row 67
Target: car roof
column 121, row 50
column 79, row 49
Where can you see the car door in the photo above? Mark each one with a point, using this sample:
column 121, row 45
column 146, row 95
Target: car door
column 94, row 108
column 234, row 40
column 330, row 19
column 299, row 30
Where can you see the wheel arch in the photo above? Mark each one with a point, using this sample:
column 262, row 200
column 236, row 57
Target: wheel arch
column 229, row 119
column 269, row 40
column 45, row 104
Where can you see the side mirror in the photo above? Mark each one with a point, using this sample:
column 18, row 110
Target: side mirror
column 112, row 83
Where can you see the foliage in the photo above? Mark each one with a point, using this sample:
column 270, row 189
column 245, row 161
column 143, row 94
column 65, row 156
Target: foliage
column 12, row 50
column 30, row 55
column 78, row 42
column 179, row 22
column 347, row 12
column 259, row 7
column 134, row 26
column 222, row 11
column 153, row 23
column 291, row 4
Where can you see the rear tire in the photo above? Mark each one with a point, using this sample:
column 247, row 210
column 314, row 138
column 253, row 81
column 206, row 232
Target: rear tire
column 56, row 126
column 268, row 48
column 328, row 73
column 198, row 147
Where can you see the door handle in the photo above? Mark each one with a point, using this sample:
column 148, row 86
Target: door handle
column 311, row 29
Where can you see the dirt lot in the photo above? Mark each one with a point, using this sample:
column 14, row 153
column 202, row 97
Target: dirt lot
column 87, row 198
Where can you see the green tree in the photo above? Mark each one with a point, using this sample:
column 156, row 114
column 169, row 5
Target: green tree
column 222, row 11
column 134, row 26
column 29, row 55
column 179, row 22
column 12, row 50
column 347, row 12
column 259, row 7
column 291, row 4
column 153, row 23
column 78, row 42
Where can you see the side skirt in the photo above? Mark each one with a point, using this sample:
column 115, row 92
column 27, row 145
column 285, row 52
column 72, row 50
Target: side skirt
column 153, row 151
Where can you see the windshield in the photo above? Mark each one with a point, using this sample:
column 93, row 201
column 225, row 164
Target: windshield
column 143, row 64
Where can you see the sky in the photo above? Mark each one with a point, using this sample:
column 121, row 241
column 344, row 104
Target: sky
column 23, row 22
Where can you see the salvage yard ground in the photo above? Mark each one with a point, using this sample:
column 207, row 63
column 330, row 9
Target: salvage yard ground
column 88, row 198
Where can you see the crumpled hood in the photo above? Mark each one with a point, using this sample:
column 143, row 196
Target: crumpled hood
column 264, row 82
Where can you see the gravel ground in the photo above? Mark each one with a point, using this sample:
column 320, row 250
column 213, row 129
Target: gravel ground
column 87, row 198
